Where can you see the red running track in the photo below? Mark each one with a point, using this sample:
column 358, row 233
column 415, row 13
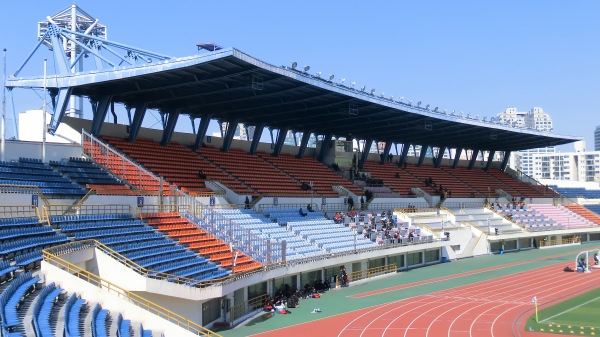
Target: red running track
column 495, row 307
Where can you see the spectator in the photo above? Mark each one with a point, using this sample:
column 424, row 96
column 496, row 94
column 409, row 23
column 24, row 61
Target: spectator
column 247, row 203
column 362, row 202
column 201, row 175
column 581, row 265
column 301, row 212
column 350, row 203
column 397, row 175
column 342, row 277
column 280, row 307
column 309, row 208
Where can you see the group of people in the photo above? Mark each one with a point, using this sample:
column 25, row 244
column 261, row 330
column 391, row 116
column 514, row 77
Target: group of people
column 441, row 190
column 389, row 228
column 287, row 297
column 309, row 208
column 514, row 204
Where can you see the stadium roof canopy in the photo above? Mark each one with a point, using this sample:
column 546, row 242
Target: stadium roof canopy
column 231, row 86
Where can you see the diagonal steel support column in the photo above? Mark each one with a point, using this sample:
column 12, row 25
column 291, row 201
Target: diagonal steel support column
column 169, row 127
column 14, row 113
column 193, row 121
column 60, row 102
column 100, row 108
column 403, row 154
column 365, row 154
column 490, row 159
column 60, row 56
column 303, row 143
column 231, row 127
column 386, row 152
column 202, row 129
column 422, row 154
column 138, row 118
column 457, row 157
column 473, row 158
column 280, row 140
column 258, row 130
column 438, row 160
column 505, row 160
column 324, row 146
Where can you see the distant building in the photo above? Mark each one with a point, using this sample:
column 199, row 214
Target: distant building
column 536, row 119
column 579, row 166
column 597, row 139
column 31, row 126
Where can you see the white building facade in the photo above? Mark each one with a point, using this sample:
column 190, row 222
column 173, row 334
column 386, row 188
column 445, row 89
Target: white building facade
column 537, row 119
column 572, row 166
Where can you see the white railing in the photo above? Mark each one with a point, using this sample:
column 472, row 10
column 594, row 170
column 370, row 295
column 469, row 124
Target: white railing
column 112, row 160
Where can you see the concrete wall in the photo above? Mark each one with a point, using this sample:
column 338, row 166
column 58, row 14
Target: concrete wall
column 112, row 302
column 460, row 237
column 54, row 151
column 119, row 274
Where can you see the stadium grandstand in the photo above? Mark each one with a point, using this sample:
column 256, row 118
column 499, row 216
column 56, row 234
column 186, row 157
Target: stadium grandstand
column 136, row 231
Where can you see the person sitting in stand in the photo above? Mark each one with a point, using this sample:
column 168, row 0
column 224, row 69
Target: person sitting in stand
column 201, row 175
column 301, row 212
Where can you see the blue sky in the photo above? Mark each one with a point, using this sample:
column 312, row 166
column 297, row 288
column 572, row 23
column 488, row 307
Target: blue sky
column 479, row 57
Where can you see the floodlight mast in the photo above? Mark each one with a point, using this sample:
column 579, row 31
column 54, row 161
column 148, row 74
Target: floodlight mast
column 77, row 20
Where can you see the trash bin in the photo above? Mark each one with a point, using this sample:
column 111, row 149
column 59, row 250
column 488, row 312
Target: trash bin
column 444, row 259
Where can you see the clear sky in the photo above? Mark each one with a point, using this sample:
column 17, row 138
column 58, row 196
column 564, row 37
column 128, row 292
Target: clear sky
column 479, row 57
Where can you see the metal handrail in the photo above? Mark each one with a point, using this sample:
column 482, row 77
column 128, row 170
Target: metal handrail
column 546, row 243
column 89, row 209
column 23, row 189
column 126, row 295
column 239, row 310
column 371, row 272
column 94, row 140
column 19, row 211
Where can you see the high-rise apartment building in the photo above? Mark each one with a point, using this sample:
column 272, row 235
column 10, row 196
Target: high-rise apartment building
column 535, row 118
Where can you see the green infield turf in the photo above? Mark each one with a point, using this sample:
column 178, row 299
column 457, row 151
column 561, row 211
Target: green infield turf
column 575, row 316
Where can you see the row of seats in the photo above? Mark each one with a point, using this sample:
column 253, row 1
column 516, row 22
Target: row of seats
column 197, row 239
column 119, row 234
column 84, row 172
column 29, row 173
column 89, row 217
column 578, row 192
